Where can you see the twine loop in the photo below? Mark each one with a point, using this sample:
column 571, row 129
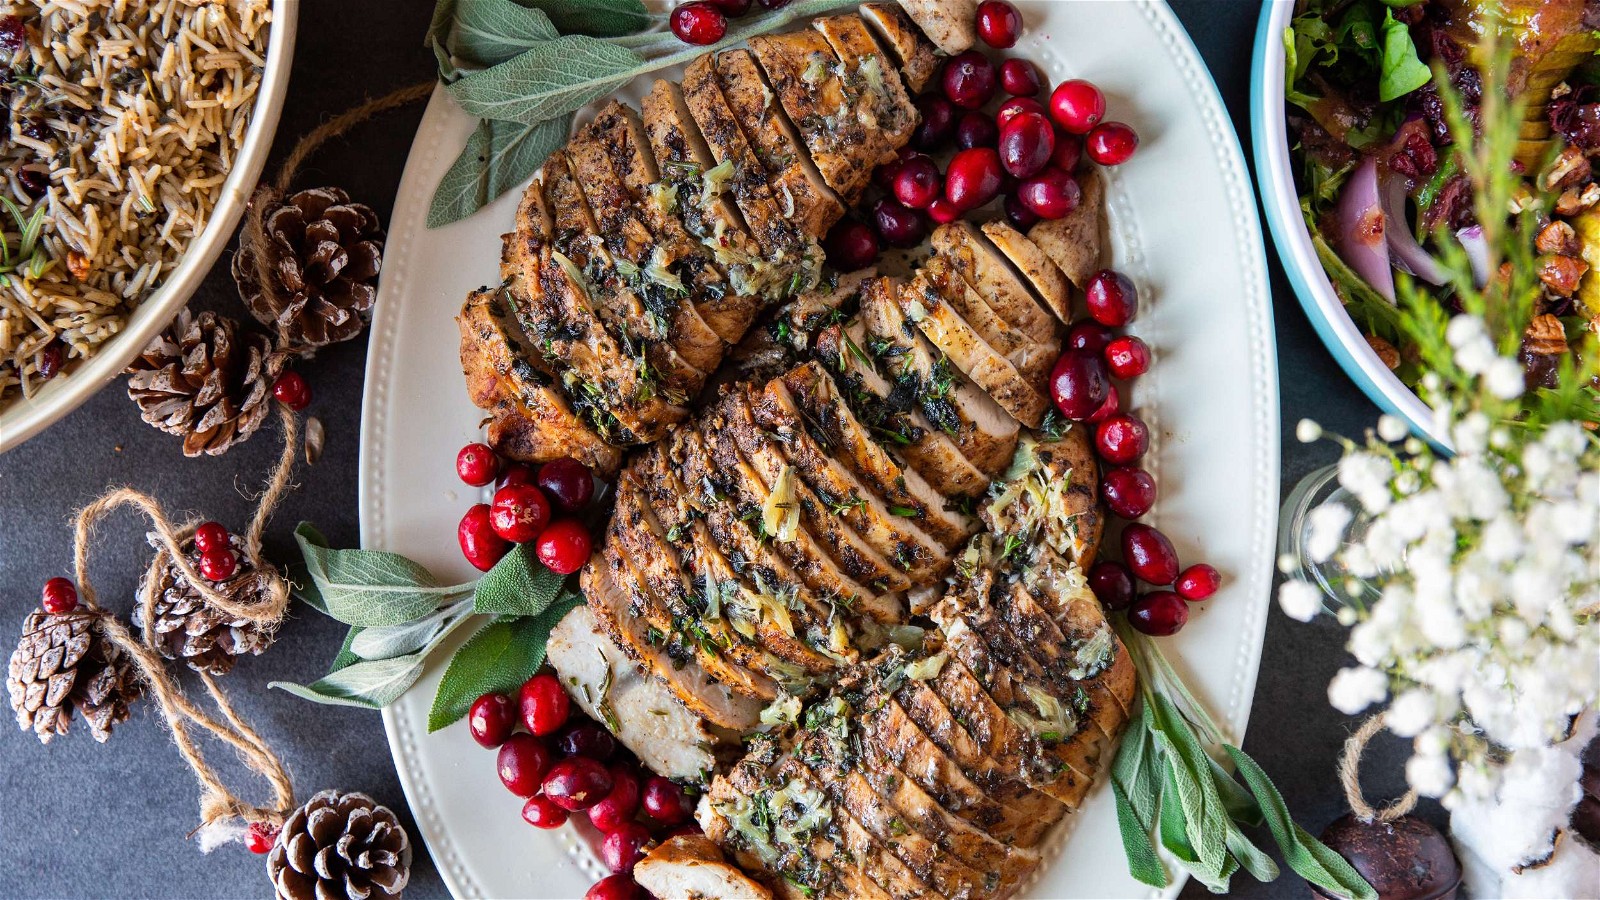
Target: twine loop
column 1350, row 777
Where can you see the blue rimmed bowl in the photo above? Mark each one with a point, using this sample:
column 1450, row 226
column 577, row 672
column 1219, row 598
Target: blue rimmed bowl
column 1281, row 200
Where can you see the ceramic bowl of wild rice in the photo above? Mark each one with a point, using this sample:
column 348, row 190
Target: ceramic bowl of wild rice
column 135, row 131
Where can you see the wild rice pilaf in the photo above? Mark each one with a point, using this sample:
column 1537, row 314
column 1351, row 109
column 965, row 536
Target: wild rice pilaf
column 124, row 117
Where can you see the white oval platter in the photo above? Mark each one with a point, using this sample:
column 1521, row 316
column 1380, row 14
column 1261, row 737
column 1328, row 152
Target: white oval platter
column 1183, row 225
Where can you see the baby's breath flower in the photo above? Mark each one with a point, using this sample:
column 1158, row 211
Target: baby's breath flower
column 1300, row 599
column 1327, row 524
column 1503, row 378
column 1430, row 775
column 1307, row 431
column 1353, row 690
column 1392, row 428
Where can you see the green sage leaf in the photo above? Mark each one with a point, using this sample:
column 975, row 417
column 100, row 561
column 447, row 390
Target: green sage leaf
column 371, row 684
column 1258, row 864
column 500, row 657
column 498, row 157
column 438, row 39
column 601, row 18
column 489, row 32
column 1202, row 807
column 387, row 641
column 1144, row 863
column 346, row 656
column 559, row 77
column 518, row 585
column 369, row 587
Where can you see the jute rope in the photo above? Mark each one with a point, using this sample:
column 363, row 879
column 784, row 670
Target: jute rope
column 268, row 196
column 1350, row 777
column 217, row 803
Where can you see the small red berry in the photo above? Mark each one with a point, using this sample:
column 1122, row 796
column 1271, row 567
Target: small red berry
column 1111, row 407
column 1078, row 384
column 1020, row 78
column 1128, row 492
column 1027, row 140
column 259, row 837
column 522, row 764
column 1019, row 215
column 1111, row 298
column 60, row 597
column 1112, row 584
column 577, row 783
column 938, row 123
column 519, row 512
column 624, row 847
column 541, row 812
column 664, row 801
column 699, row 23
column 976, row 129
column 918, row 182
column 477, row 464
column 479, row 543
column 1069, row 152
column 1197, row 582
column 1089, row 336
column 1052, row 194
column 564, row 546
column 973, row 178
column 619, row 806
column 969, row 79
column 943, row 212
column 1111, row 143
column 586, row 738
column 210, row 536
column 900, row 225
column 623, row 887
column 1077, row 106
column 544, row 705
column 567, row 483
column 1159, row 613
column 1128, row 357
column 1122, row 439
column 852, row 245
column 517, row 473
column 218, row 564
column 292, row 391
column 492, row 719
column 1016, row 106
column 1149, row 554
column 999, row 23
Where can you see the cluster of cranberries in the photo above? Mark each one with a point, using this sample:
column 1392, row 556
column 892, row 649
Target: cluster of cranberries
column 217, row 562
column 522, row 510
column 292, row 391
column 1081, row 384
column 564, row 764
column 1025, row 150
column 706, row 21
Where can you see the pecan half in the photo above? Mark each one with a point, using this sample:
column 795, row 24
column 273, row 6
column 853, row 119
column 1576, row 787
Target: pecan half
column 1570, row 168
column 1545, row 336
column 1385, row 351
column 1561, row 274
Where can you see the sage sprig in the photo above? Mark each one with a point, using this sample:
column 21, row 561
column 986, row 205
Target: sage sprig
column 523, row 67
column 399, row 614
column 1171, row 786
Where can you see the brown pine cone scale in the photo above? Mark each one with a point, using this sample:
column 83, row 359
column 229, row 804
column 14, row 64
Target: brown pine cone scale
column 63, row 663
column 324, row 253
column 187, row 627
column 340, row 846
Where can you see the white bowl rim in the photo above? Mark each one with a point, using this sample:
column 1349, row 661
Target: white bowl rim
column 1281, row 201
column 24, row 417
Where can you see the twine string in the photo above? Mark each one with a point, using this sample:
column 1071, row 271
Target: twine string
column 1350, row 777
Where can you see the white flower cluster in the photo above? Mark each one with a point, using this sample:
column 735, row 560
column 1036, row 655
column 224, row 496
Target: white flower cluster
column 1475, row 596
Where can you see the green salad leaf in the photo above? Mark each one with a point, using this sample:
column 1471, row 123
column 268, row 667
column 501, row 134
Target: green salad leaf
column 1402, row 70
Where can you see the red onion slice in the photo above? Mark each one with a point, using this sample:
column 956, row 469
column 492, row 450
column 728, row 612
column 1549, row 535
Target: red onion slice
column 1477, row 250
column 1361, row 239
column 1407, row 255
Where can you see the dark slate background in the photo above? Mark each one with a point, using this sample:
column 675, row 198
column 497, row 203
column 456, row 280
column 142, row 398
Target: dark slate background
column 79, row 819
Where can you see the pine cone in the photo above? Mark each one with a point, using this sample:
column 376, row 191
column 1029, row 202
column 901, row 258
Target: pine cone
column 207, row 381
column 63, row 662
column 340, row 845
column 324, row 253
column 189, row 628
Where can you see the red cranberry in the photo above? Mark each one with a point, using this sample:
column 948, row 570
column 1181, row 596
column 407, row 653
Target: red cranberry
column 1122, row 439
column 969, row 79
column 1159, row 613
column 731, row 8
column 999, row 23
column 623, row 887
column 1020, row 78
column 519, row 512
column 974, row 178
column 13, row 34
column 1020, row 216
column 292, row 391
column 543, row 704
column 542, row 812
column 517, row 473
column 1051, row 194
column 210, row 536
column 1078, row 384
column 900, row 225
column 1111, row 407
column 523, row 762
column 479, row 543
column 1111, row 298
column 1112, row 584
column 492, row 719
column 1077, row 105
column 477, row 464
column 699, row 23
column 1089, row 336
column 975, row 129
column 218, row 564
column 852, row 245
column 564, row 546
column 52, row 356
column 577, row 783
column 60, row 596
column 1128, row 357
column 664, row 801
column 943, row 212
column 586, row 738
column 624, row 847
column 1128, row 492
column 884, row 175
column 688, row 829
column 1026, row 142
column 1111, row 143
column 259, row 837
column 1149, row 554
column 621, row 805
column 1016, row 106
column 567, row 484
column 938, row 123
column 918, row 183
column 1197, row 582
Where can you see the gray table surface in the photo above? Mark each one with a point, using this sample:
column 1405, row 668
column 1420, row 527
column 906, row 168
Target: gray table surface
column 78, row 819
